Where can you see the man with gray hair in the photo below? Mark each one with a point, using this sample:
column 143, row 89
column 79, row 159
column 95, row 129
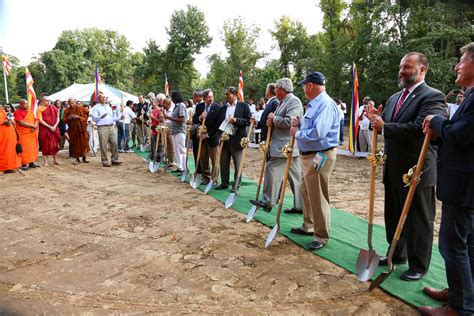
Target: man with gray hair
column 280, row 121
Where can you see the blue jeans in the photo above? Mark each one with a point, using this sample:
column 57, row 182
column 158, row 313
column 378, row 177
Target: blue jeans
column 122, row 136
column 456, row 244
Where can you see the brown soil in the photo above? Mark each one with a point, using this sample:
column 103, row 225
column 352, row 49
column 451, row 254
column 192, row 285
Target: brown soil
column 87, row 239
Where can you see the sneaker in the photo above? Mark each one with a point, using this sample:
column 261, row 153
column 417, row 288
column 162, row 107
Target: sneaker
column 130, row 151
column 121, row 151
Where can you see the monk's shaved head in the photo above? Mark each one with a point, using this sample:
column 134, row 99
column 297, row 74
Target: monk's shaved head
column 23, row 104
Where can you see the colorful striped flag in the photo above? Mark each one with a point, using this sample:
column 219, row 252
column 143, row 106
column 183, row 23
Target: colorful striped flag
column 6, row 64
column 30, row 92
column 240, row 92
column 354, row 121
column 97, row 84
column 167, row 87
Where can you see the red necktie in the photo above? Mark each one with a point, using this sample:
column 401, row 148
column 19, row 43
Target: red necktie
column 400, row 102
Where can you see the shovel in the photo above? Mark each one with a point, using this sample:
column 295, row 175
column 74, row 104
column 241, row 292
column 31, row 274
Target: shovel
column 164, row 135
column 188, row 138
column 276, row 229
column 197, row 179
column 231, row 198
column 253, row 209
column 368, row 259
column 142, row 145
column 406, row 208
column 215, row 168
column 154, row 165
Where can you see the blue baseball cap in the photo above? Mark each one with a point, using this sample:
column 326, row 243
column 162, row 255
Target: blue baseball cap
column 314, row 77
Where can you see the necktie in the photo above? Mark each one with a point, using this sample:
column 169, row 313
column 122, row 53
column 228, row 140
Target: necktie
column 400, row 102
column 207, row 108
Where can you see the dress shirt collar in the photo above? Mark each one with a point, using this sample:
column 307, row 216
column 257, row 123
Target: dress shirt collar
column 316, row 99
column 413, row 87
column 235, row 103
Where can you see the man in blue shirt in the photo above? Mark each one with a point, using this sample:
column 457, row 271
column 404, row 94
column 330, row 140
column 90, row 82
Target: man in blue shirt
column 317, row 135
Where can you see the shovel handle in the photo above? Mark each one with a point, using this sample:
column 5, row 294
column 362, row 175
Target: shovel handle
column 188, row 137
column 373, row 168
column 283, row 183
column 241, row 166
column 198, row 158
column 411, row 191
column 264, row 161
column 215, row 168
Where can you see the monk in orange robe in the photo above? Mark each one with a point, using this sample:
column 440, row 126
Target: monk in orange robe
column 9, row 158
column 27, row 127
column 75, row 116
column 49, row 135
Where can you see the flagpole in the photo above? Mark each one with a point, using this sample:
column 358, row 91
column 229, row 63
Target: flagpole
column 6, row 87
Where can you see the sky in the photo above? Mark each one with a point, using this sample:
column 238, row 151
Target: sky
column 29, row 27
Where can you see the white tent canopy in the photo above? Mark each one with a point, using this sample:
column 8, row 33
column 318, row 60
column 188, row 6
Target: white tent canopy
column 83, row 93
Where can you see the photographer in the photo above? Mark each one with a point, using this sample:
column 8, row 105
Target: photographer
column 9, row 158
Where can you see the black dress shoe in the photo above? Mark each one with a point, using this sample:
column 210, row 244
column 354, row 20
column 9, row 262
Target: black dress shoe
column 409, row 275
column 221, row 187
column 315, row 245
column 384, row 261
column 293, row 211
column 205, row 182
column 299, row 231
column 32, row 165
column 263, row 206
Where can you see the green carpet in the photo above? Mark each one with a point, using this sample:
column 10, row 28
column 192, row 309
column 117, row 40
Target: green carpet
column 348, row 236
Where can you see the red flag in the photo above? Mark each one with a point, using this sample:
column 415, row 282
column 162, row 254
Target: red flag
column 167, row 87
column 241, row 87
column 354, row 122
column 97, row 84
column 30, row 92
column 6, row 64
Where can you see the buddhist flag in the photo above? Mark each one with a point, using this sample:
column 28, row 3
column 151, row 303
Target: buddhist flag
column 97, row 84
column 240, row 92
column 30, row 92
column 167, row 87
column 354, row 121
column 7, row 66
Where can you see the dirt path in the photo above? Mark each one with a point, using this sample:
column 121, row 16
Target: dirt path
column 87, row 239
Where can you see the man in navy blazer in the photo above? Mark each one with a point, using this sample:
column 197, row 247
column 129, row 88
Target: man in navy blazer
column 238, row 114
column 455, row 188
column 401, row 125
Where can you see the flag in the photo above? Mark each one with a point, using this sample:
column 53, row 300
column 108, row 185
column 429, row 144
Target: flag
column 30, row 92
column 97, row 84
column 240, row 92
column 167, row 87
column 6, row 64
column 354, row 121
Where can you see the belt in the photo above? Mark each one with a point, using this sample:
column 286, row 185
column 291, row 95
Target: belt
column 106, row 125
column 304, row 153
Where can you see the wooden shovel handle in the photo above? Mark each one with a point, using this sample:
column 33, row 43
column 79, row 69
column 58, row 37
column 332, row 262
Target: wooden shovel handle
column 413, row 184
column 218, row 157
column 373, row 168
column 264, row 161
column 241, row 166
column 285, row 178
column 188, row 137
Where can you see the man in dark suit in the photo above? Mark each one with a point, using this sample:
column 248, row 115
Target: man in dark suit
column 210, row 141
column 271, row 106
column 400, row 124
column 455, row 188
column 197, row 96
column 238, row 114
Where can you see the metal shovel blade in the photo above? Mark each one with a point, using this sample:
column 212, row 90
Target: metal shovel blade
column 197, row 181
column 367, row 264
column 208, row 186
column 382, row 277
column 251, row 213
column 142, row 148
column 184, row 175
column 272, row 235
column 230, row 200
column 153, row 166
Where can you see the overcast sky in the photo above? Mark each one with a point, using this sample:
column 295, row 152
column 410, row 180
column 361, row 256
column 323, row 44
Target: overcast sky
column 29, row 27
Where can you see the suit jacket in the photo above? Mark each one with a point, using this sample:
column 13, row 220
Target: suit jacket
column 404, row 136
column 269, row 108
column 242, row 115
column 197, row 112
column 290, row 107
column 456, row 154
column 214, row 118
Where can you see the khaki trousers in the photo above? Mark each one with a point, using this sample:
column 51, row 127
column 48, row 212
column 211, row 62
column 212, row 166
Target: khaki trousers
column 107, row 136
column 206, row 153
column 315, row 195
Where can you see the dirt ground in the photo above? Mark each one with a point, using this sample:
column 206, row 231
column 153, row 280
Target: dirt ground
column 91, row 240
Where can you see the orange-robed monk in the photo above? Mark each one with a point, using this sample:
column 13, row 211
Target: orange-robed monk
column 9, row 159
column 27, row 127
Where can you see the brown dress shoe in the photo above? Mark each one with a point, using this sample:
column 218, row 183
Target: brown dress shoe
column 439, row 295
column 444, row 310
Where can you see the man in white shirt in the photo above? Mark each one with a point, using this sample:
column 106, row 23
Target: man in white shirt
column 123, row 126
column 365, row 140
column 105, row 119
column 453, row 107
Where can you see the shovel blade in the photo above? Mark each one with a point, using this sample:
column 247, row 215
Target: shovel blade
column 197, row 181
column 251, row 213
column 272, row 235
column 367, row 264
column 153, row 166
column 208, row 186
column 382, row 277
column 230, row 200
column 184, row 175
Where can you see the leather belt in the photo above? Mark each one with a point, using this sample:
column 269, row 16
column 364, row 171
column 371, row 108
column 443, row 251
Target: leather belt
column 106, row 125
column 304, row 153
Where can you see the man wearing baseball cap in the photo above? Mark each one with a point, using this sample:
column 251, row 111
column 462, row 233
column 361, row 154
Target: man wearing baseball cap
column 317, row 135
